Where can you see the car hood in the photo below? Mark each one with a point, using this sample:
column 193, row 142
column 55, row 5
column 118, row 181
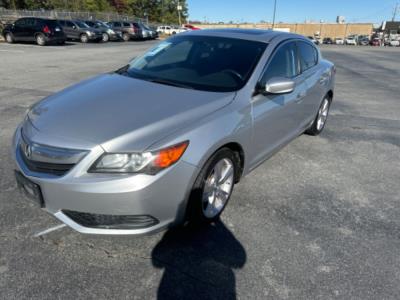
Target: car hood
column 121, row 113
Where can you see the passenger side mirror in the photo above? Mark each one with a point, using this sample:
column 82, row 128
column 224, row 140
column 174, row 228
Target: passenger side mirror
column 279, row 85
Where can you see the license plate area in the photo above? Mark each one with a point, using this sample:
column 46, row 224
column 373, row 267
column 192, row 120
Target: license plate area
column 30, row 189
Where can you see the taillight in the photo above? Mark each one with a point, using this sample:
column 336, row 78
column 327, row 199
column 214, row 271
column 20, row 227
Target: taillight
column 46, row 29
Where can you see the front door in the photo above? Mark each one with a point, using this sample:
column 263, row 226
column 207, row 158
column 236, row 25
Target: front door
column 276, row 117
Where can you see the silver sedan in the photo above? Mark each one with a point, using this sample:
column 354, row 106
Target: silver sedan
column 164, row 139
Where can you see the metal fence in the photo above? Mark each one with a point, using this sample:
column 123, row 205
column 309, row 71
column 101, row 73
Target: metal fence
column 10, row 14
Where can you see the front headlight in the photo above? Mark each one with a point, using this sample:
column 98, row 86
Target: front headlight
column 147, row 162
column 110, row 31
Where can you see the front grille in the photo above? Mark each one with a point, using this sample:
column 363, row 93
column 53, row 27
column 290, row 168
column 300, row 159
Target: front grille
column 111, row 221
column 50, row 160
column 44, row 167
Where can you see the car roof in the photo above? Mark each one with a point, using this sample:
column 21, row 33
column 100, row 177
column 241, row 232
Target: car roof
column 260, row 35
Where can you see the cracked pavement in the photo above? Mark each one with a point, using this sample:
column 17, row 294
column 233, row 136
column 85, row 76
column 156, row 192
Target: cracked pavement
column 320, row 219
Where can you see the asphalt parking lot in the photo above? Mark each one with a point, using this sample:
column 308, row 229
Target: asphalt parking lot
column 319, row 220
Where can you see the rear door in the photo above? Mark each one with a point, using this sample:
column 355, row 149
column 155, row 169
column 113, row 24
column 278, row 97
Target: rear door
column 275, row 117
column 314, row 77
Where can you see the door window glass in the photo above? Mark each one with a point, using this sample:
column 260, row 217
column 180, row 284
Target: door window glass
column 308, row 55
column 284, row 63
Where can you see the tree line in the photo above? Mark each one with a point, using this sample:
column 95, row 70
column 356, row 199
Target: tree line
column 164, row 11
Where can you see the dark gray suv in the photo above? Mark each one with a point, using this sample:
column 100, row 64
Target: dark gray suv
column 78, row 30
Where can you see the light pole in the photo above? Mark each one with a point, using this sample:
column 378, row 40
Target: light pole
column 179, row 7
column 273, row 17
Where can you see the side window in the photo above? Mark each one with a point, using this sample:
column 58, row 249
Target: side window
column 308, row 55
column 30, row 22
column 126, row 24
column 20, row 22
column 284, row 63
column 69, row 24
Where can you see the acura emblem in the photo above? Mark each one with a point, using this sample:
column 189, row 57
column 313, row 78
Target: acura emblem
column 28, row 151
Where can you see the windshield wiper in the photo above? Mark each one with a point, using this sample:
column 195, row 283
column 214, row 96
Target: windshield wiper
column 168, row 82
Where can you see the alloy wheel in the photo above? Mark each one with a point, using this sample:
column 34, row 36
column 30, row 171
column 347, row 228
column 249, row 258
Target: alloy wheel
column 9, row 38
column 218, row 188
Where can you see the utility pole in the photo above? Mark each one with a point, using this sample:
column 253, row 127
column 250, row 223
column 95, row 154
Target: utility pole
column 273, row 17
column 395, row 12
column 179, row 7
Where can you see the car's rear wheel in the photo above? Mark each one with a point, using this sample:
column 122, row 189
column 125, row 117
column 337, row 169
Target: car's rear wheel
column 84, row 38
column 320, row 120
column 40, row 39
column 126, row 37
column 105, row 38
column 9, row 38
column 213, row 187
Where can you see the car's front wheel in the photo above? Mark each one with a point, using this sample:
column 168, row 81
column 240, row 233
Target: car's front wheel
column 9, row 38
column 320, row 120
column 213, row 187
column 84, row 38
column 105, row 38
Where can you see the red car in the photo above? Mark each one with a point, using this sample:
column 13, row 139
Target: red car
column 375, row 42
column 191, row 27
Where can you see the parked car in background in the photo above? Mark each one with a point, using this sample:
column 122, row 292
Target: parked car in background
column 171, row 30
column 339, row 41
column 128, row 30
column 41, row 31
column 191, row 27
column 153, row 34
column 313, row 39
column 78, row 30
column 350, row 40
column 130, row 152
column 394, row 43
column 327, row 41
column 364, row 41
column 376, row 42
column 108, row 33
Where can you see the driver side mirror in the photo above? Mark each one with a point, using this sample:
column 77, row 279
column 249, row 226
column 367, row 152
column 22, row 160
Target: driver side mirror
column 279, row 85
column 73, row 27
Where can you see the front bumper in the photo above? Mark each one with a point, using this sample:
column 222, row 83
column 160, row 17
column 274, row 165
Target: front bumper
column 161, row 197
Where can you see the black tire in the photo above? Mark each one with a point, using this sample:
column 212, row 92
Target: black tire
column 84, row 38
column 105, row 38
column 40, row 39
column 9, row 38
column 126, row 37
column 195, row 210
column 316, row 128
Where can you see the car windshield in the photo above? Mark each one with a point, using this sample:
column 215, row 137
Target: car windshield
column 82, row 25
column 198, row 62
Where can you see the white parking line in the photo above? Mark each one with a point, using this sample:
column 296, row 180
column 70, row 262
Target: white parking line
column 15, row 51
column 49, row 230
